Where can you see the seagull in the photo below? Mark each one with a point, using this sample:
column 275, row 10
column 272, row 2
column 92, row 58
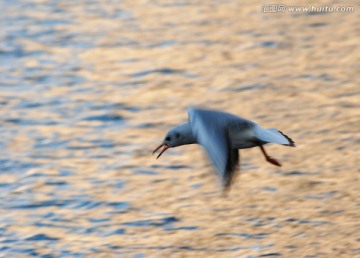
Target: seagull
column 222, row 134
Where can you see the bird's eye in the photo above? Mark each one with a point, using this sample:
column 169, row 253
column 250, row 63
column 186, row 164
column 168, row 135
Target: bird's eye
column 177, row 135
column 168, row 138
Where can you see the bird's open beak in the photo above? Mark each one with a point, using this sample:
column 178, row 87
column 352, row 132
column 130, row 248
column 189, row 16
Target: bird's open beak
column 165, row 147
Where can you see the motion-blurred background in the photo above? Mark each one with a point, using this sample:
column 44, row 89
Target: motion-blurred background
column 89, row 88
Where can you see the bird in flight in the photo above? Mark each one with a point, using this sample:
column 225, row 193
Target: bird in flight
column 222, row 134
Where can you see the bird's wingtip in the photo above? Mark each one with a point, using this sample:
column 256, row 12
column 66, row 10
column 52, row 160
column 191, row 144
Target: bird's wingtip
column 291, row 141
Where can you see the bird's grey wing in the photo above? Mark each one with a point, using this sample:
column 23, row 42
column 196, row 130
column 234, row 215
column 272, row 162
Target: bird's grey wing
column 273, row 135
column 210, row 129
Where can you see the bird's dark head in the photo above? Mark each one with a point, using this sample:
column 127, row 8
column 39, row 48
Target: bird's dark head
column 179, row 135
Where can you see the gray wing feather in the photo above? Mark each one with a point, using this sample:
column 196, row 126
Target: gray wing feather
column 211, row 130
column 274, row 136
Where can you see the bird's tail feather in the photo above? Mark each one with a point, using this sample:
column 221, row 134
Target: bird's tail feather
column 274, row 136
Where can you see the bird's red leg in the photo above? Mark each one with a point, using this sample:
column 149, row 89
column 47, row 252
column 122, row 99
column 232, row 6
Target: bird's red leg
column 268, row 158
